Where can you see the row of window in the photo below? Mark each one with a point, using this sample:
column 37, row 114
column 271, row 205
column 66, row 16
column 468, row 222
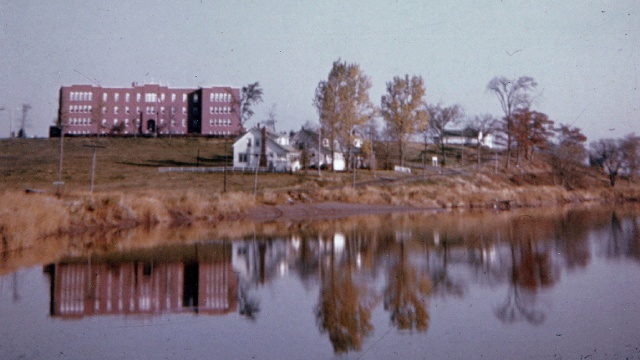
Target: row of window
column 137, row 122
column 244, row 157
column 80, row 96
column 79, row 121
column 256, row 140
column 148, row 110
column 87, row 121
column 220, row 97
column 220, row 110
column 150, row 97
column 218, row 132
column 80, row 108
column 214, row 97
column 219, row 122
column 88, row 132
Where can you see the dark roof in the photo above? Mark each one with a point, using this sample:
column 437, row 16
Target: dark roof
column 466, row 132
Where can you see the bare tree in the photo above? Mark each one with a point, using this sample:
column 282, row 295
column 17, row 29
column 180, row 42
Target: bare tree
column 117, row 129
column 631, row 150
column 97, row 113
column 486, row 125
column 402, row 108
column 513, row 95
column 372, row 135
column 608, row 154
column 172, row 119
column 441, row 117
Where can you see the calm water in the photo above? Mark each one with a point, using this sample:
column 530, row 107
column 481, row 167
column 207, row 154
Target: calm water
column 535, row 284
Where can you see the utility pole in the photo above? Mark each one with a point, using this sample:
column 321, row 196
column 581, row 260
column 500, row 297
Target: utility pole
column 93, row 162
column 255, row 179
column 319, row 150
column 2, row 108
column 354, row 170
column 59, row 182
column 11, row 135
column 226, row 160
column 172, row 110
column 23, row 122
column 372, row 156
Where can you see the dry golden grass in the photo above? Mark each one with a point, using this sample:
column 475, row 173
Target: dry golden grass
column 25, row 218
column 22, row 219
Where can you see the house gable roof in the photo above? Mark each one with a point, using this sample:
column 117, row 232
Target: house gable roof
column 272, row 140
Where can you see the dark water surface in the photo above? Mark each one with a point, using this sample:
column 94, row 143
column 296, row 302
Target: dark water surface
column 535, row 284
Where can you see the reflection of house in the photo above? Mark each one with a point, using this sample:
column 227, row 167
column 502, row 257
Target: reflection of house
column 199, row 281
column 265, row 148
column 261, row 261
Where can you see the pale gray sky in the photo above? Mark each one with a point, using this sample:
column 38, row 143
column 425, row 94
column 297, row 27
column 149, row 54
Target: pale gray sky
column 585, row 55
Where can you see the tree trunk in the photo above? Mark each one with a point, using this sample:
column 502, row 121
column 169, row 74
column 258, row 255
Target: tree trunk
column 612, row 178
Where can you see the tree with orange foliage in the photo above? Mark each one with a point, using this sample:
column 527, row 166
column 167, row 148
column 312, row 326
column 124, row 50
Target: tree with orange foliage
column 532, row 130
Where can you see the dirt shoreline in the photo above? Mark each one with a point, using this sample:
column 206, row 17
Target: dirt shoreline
column 325, row 211
column 26, row 218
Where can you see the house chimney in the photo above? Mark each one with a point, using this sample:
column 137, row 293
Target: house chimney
column 263, row 148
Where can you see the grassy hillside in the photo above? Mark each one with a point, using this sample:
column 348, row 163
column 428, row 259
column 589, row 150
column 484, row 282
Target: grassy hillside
column 125, row 164
column 131, row 164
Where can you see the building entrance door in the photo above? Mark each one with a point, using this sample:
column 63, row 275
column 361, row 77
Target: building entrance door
column 151, row 126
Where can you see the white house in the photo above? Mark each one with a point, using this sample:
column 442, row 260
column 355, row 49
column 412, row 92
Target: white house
column 265, row 148
column 317, row 154
column 468, row 137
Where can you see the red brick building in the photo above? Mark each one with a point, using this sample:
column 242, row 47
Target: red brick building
column 150, row 110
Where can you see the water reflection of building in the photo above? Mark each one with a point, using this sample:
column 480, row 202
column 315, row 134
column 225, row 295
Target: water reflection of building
column 262, row 260
column 197, row 278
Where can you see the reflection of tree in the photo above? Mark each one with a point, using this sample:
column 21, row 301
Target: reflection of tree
column 613, row 245
column 624, row 238
column 443, row 284
column 406, row 295
column 571, row 239
column 306, row 261
column 634, row 239
column 344, row 309
column 532, row 271
column 248, row 304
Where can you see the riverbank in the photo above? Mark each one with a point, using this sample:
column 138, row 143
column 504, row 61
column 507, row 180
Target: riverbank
column 25, row 218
